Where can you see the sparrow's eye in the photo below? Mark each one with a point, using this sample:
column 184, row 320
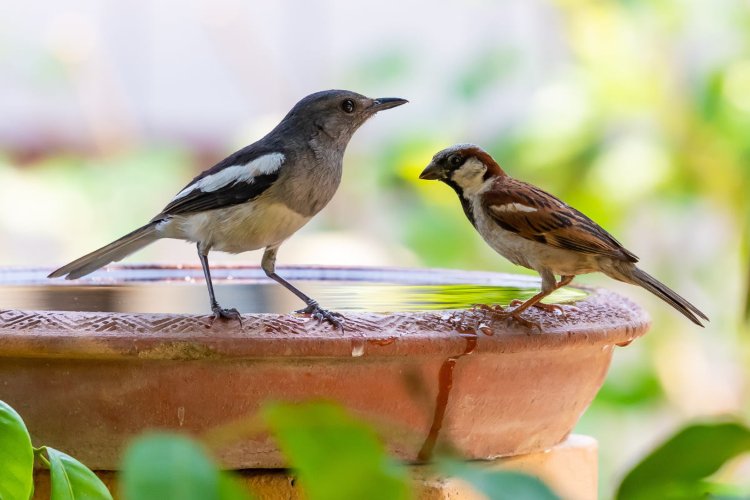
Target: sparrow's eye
column 456, row 160
column 348, row 106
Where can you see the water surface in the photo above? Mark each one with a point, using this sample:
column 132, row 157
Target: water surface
column 184, row 291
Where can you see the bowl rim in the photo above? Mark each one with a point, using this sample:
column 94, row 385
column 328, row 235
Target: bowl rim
column 602, row 319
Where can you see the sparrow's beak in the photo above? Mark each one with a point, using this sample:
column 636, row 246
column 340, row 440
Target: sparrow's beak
column 432, row 172
column 382, row 103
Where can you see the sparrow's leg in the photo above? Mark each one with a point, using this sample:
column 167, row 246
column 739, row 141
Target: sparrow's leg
column 546, row 290
column 553, row 308
column 548, row 286
column 215, row 307
column 268, row 264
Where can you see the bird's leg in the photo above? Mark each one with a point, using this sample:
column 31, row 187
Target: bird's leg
column 552, row 308
column 268, row 264
column 535, row 300
column 548, row 286
column 215, row 307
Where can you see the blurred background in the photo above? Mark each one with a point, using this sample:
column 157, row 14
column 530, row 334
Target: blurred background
column 635, row 112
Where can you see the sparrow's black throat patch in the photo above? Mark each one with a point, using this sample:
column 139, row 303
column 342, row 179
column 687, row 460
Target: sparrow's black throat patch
column 465, row 204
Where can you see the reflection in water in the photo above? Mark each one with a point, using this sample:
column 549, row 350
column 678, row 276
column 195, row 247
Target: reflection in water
column 256, row 297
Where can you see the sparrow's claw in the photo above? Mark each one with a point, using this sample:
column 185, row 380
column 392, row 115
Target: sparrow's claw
column 487, row 308
column 524, row 322
column 228, row 314
column 320, row 314
column 553, row 308
column 506, row 313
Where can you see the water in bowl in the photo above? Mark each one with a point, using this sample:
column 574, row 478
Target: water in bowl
column 176, row 290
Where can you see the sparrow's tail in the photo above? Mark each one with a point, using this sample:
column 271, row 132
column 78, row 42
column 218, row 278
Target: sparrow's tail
column 117, row 250
column 639, row 277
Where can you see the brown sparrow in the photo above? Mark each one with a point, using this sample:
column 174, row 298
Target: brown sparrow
column 533, row 229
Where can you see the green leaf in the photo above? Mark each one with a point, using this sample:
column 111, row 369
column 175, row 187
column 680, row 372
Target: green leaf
column 16, row 456
column 160, row 466
column 498, row 485
column 231, row 489
column 335, row 455
column 71, row 480
column 677, row 468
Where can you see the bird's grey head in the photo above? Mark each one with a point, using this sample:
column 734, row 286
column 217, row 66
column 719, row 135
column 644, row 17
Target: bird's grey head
column 335, row 114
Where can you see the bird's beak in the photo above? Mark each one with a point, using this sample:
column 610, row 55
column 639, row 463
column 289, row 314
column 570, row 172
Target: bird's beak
column 382, row 103
column 432, row 172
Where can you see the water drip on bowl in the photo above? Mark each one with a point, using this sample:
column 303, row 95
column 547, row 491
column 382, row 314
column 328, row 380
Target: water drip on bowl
column 485, row 329
column 358, row 347
column 445, row 384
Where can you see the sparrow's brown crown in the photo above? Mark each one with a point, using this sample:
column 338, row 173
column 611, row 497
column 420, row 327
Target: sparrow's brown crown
column 447, row 162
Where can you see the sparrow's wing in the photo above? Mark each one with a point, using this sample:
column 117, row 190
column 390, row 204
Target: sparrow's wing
column 537, row 215
column 241, row 177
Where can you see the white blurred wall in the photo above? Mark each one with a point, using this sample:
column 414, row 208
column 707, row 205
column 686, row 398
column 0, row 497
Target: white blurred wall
column 107, row 74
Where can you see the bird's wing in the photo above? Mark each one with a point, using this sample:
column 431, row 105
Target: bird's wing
column 537, row 215
column 241, row 177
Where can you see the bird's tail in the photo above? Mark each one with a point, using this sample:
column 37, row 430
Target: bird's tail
column 639, row 277
column 117, row 250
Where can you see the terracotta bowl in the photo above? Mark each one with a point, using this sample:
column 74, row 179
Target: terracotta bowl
column 87, row 372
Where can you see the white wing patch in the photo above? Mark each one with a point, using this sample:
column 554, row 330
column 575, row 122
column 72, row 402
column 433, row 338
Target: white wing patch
column 513, row 207
column 265, row 164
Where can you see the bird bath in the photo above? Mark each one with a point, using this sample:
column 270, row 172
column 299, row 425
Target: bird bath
column 92, row 363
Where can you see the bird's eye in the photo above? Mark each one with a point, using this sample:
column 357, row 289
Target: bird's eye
column 348, row 106
column 456, row 160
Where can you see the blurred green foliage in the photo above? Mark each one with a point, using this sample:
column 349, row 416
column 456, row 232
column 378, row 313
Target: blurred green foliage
column 69, row 478
column 332, row 454
column 484, row 73
column 680, row 467
column 17, row 458
column 335, row 455
column 497, row 484
column 164, row 466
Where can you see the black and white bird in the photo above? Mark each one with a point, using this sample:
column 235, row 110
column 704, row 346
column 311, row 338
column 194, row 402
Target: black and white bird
column 258, row 196
column 533, row 229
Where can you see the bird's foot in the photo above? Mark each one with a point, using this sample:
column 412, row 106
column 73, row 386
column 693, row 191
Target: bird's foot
column 517, row 318
column 227, row 314
column 318, row 313
column 487, row 308
column 552, row 308
column 501, row 312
